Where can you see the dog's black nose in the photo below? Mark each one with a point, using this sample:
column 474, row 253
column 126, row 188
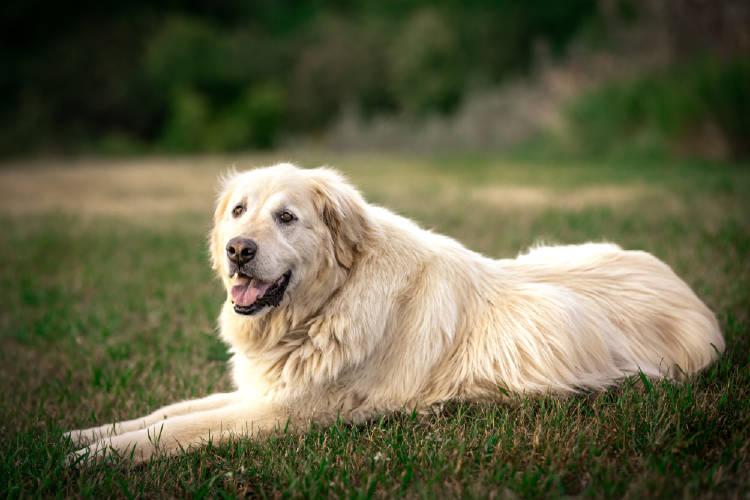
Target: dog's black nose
column 241, row 250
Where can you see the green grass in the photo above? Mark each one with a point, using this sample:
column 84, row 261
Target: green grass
column 106, row 317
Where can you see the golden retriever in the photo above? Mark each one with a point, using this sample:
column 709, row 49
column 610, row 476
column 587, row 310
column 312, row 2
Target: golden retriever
column 340, row 309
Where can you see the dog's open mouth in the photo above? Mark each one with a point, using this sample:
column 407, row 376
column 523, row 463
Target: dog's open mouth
column 250, row 295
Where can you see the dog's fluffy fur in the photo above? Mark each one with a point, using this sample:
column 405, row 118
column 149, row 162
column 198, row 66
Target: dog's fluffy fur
column 381, row 315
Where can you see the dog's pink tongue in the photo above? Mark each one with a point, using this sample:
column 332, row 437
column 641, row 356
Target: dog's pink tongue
column 247, row 291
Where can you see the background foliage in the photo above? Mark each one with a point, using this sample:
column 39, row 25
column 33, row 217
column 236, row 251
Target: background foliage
column 233, row 74
column 659, row 111
column 230, row 75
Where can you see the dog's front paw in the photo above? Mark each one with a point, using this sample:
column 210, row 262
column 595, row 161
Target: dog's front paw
column 90, row 455
column 78, row 458
column 83, row 437
column 131, row 448
column 80, row 437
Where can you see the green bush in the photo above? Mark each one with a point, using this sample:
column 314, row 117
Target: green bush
column 426, row 70
column 263, row 107
column 676, row 112
column 251, row 121
column 185, row 128
column 724, row 91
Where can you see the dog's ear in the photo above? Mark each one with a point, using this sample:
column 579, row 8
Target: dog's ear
column 214, row 242
column 345, row 213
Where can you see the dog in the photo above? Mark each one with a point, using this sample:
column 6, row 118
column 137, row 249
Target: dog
column 338, row 309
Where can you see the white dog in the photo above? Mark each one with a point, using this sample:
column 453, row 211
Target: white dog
column 340, row 309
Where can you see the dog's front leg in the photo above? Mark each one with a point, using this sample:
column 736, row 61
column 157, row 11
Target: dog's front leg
column 85, row 436
column 187, row 431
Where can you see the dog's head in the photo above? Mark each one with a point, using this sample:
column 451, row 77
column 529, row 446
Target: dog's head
column 281, row 232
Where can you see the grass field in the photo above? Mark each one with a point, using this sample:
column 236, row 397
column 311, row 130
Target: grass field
column 108, row 307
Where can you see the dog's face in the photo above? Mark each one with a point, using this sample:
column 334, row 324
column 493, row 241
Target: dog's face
column 279, row 231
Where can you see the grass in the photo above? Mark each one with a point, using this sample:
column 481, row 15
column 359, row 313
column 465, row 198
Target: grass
column 107, row 310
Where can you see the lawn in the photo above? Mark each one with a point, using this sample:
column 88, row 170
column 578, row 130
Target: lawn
column 108, row 307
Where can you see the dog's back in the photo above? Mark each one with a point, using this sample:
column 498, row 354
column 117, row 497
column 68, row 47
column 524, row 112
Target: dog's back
column 566, row 318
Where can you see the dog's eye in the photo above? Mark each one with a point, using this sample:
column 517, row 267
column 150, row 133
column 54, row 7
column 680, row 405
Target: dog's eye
column 238, row 210
column 286, row 217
